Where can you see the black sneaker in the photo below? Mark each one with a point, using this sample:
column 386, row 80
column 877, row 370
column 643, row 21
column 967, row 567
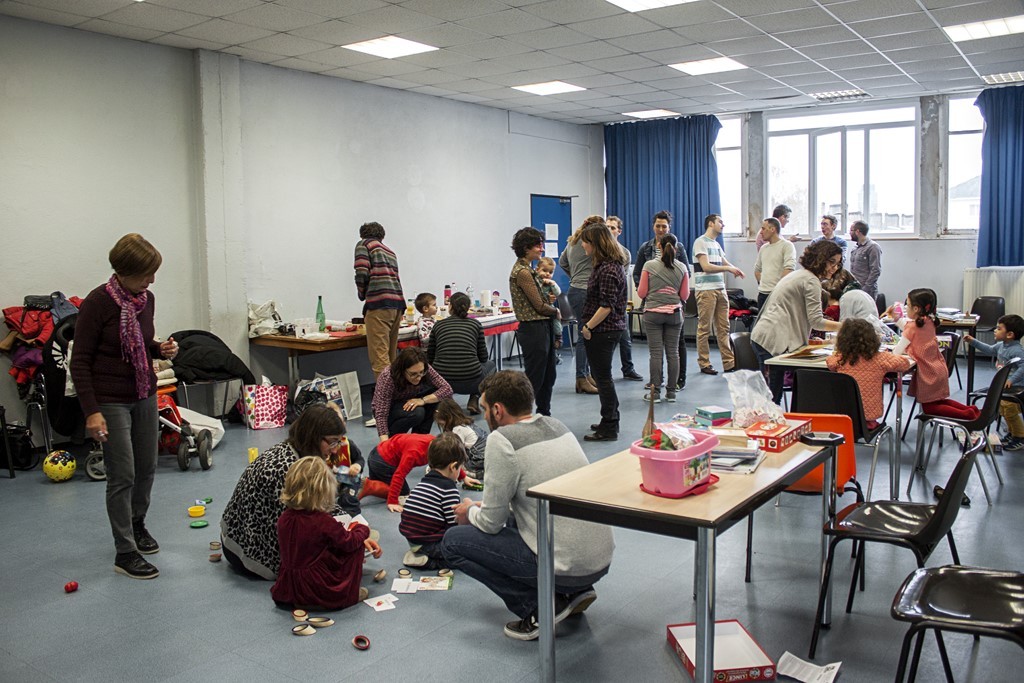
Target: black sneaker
column 132, row 564
column 939, row 491
column 633, row 375
column 529, row 629
column 1013, row 444
column 145, row 542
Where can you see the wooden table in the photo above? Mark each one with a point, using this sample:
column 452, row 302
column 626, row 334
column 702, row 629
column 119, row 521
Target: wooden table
column 608, row 492
column 800, row 359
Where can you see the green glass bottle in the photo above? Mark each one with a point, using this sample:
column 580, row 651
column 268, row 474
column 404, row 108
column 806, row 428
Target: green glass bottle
column 321, row 319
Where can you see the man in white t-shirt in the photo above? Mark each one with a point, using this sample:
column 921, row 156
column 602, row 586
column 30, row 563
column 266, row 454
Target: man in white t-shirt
column 776, row 260
column 709, row 269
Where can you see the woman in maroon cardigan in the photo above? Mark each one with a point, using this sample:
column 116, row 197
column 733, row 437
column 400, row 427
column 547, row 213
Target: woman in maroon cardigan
column 113, row 373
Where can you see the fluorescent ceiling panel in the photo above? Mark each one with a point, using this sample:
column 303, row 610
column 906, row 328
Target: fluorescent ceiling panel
column 641, row 5
column 839, row 95
column 390, row 47
column 650, row 114
column 1009, row 77
column 985, row 29
column 549, row 88
column 708, row 66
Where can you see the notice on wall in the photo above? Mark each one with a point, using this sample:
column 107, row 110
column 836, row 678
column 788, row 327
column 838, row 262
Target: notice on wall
column 551, row 250
column 551, row 232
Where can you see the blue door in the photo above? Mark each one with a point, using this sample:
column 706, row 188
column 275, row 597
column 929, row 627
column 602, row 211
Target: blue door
column 547, row 211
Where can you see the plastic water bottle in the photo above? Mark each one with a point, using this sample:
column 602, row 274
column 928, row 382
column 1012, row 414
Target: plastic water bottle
column 469, row 290
column 321, row 319
column 447, row 294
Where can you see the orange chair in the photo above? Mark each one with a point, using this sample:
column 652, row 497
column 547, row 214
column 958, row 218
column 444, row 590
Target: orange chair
column 810, row 484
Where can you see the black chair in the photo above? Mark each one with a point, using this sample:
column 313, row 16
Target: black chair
column 980, row 602
column 689, row 311
column 989, row 411
column 880, row 303
column 569, row 320
column 743, row 350
column 7, row 442
column 989, row 309
column 821, row 391
column 919, row 527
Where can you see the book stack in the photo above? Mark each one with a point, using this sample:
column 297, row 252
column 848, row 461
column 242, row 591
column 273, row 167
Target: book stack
column 735, row 453
column 712, row 416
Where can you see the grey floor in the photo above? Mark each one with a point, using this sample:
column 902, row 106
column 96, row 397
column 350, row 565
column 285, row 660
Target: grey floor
column 199, row 621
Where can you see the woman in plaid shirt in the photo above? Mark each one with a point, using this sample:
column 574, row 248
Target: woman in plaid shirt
column 407, row 394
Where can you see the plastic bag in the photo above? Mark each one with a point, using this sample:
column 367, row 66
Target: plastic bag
column 263, row 318
column 751, row 399
column 679, row 434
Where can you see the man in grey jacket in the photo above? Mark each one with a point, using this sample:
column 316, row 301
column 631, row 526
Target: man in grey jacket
column 865, row 259
column 499, row 549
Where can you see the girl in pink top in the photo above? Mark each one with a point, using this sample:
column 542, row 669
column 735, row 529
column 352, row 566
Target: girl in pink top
column 930, row 386
column 664, row 286
column 857, row 355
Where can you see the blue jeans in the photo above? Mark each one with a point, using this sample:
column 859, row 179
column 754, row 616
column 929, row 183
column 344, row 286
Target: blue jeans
column 577, row 297
column 600, row 348
column 626, row 351
column 506, row 565
column 776, row 374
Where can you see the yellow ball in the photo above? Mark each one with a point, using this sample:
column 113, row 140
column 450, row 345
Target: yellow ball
column 59, row 465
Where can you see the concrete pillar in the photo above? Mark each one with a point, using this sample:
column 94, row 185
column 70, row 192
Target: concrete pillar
column 931, row 190
column 754, row 188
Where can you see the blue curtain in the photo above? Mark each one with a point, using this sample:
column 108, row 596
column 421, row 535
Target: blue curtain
column 662, row 165
column 1001, row 229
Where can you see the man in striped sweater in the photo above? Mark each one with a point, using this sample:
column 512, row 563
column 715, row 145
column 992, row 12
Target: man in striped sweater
column 378, row 285
column 430, row 508
column 496, row 539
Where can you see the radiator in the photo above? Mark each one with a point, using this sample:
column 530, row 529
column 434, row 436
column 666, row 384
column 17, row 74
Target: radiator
column 995, row 281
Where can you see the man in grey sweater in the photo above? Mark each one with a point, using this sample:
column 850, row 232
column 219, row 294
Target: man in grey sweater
column 495, row 541
column 865, row 259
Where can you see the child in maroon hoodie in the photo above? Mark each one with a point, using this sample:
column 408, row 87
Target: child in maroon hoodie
column 321, row 560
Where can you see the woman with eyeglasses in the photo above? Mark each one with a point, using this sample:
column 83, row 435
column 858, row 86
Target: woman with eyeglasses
column 407, row 394
column 249, row 526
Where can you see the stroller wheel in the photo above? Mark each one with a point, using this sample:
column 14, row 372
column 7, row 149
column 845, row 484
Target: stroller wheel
column 95, row 468
column 183, row 455
column 205, row 442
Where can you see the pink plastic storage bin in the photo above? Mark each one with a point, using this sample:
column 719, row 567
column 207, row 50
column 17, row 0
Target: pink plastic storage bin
column 673, row 474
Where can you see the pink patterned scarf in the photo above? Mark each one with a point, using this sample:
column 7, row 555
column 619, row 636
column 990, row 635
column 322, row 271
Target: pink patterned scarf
column 133, row 346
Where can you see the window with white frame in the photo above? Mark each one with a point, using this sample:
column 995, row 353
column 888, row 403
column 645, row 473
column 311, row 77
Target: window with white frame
column 730, row 175
column 963, row 165
column 858, row 164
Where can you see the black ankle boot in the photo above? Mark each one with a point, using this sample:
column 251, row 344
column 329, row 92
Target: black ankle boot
column 146, row 544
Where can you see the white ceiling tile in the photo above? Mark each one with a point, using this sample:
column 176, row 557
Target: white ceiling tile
column 335, row 32
column 432, row 91
column 745, row 46
column 791, row 69
column 698, row 91
column 534, row 60
column 42, row 14
column 687, row 14
column 351, row 74
column 113, row 29
column 339, row 56
column 479, row 69
column 815, row 36
column 226, row 32
column 444, row 35
column 894, row 91
column 653, row 73
column 862, row 10
column 184, row 42
column 453, row 10
column 598, row 49
column 469, row 85
column 553, row 37
column 614, row 27
column 332, row 9
column 504, row 23
column 932, row 36
column 432, row 77
column 684, row 53
column 436, row 59
column 303, row 65
column 998, row 56
column 938, row 4
column 207, row 8
column 868, row 72
column 492, row 48
column 393, row 19
column 252, row 55
column 610, row 103
column 650, row 97
column 885, row 82
column 747, row 8
column 916, row 54
column 802, row 80
column 647, row 42
column 890, row 26
column 775, row 57
column 390, row 67
column 941, row 75
column 793, row 20
column 567, row 72
column 982, row 11
column 569, row 11
column 274, row 17
column 467, row 97
column 627, row 89
column 624, row 63
column 971, row 47
column 85, row 8
column 855, row 61
column 396, row 83
column 719, row 30
column 286, row 45
column 934, row 64
column 680, row 81
column 601, row 81
column 145, row 15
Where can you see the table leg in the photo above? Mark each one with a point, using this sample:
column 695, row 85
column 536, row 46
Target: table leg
column 705, row 664
column 293, row 370
column 496, row 350
column 894, row 464
column 970, row 363
column 828, row 515
column 546, row 590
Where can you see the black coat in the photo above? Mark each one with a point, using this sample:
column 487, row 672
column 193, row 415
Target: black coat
column 203, row 356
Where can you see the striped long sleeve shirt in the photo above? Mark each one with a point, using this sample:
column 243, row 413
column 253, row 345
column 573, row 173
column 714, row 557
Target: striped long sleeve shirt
column 377, row 281
column 430, row 509
column 457, row 348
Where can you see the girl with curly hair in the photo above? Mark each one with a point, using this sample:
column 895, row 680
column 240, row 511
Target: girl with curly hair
column 857, row 354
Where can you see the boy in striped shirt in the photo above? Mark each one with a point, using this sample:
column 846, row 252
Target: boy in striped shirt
column 430, row 508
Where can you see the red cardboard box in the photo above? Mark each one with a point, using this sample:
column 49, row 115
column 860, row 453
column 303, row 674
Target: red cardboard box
column 776, row 437
column 738, row 657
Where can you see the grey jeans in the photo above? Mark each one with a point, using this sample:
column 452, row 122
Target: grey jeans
column 129, row 456
column 663, row 339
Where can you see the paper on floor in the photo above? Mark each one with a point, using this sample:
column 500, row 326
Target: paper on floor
column 794, row 667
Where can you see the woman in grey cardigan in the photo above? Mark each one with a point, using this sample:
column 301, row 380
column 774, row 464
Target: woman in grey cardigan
column 794, row 308
column 664, row 285
column 578, row 266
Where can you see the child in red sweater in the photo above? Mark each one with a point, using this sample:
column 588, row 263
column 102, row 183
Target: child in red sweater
column 391, row 461
column 857, row 355
column 321, row 560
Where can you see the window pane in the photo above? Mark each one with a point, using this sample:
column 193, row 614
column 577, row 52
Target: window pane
column 854, row 178
column 729, row 136
column 964, row 181
column 963, row 115
column 892, row 187
column 729, row 179
column 848, row 118
column 787, row 179
column 829, row 176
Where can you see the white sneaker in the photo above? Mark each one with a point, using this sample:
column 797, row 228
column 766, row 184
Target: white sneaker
column 412, row 559
column 370, row 423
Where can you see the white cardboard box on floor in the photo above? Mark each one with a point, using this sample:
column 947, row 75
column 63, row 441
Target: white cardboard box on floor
column 738, row 657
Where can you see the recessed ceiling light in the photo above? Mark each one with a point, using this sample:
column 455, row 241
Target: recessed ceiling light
column 1009, row 77
column 641, row 5
column 839, row 95
column 985, row 29
column 390, row 47
column 549, row 88
column 651, row 114
column 708, row 66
